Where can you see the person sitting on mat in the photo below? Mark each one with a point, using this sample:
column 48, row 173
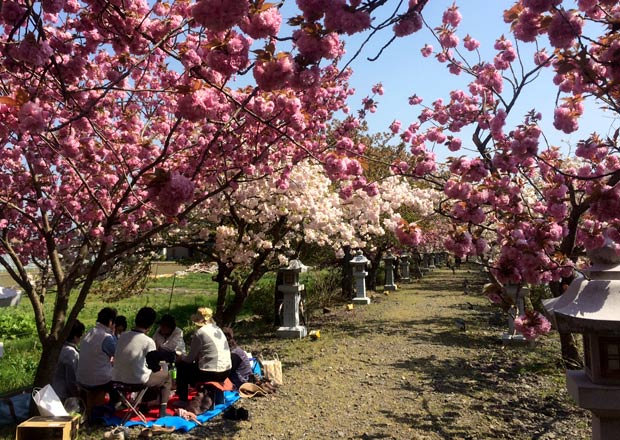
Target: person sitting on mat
column 208, row 358
column 241, row 367
column 133, row 364
column 120, row 325
column 64, row 381
column 96, row 352
column 168, row 336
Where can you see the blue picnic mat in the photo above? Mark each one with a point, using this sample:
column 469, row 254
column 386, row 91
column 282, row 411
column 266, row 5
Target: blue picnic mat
column 179, row 423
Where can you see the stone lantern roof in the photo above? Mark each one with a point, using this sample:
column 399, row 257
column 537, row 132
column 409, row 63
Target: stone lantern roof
column 592, row 302
column 359, row 259
column 296, row 266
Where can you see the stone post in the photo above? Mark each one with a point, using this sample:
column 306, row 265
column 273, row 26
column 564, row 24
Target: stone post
column 517, row 294
column 291, row 289
column 358, row 264
column 389, row 273
column 424, row 264
column 431, row 261
column 405, row 277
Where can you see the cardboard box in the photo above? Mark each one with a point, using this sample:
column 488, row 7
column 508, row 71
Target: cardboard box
column 48, row 428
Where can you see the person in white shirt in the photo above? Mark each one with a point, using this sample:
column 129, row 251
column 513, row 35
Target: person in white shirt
column 96, row 352
column 168, row 336
column 131, row 361
column 209, row 355
column 64, row 381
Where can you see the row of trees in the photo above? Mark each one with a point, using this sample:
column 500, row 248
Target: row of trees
column 120, row 119
column 124, row 128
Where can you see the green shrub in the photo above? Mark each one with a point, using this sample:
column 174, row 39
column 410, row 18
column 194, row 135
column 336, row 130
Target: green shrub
column 16, row 323
column 261, row 298
column 537, row 294
column 19, row 364
column 322, row 288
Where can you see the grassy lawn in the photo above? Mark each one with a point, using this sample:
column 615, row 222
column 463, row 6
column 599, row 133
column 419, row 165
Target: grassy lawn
column 21, row 344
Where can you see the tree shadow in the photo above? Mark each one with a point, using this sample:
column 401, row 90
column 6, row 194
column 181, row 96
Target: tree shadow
column 490, row 387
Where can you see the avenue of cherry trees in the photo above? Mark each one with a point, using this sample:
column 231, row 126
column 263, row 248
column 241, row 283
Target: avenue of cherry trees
column 124, row 126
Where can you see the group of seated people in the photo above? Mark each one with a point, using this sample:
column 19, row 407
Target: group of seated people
column 109, row 353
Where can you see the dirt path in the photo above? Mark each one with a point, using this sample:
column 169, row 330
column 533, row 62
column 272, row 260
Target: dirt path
column 400, row 368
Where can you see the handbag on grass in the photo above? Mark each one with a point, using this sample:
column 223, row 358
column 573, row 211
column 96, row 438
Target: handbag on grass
column 272, row 370
column 48, row 402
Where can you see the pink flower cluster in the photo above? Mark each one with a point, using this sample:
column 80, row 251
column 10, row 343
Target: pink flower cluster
column 168, row 195
column 532, row 325
column 564, row 28
column 274, row 74
column 262, row 24
column 32, row 117
column 203, row 104
column 231, row 55
column 408, row 25
column 566, row 116
column 220, row 15
column 408, row 234
column 341, row 18
column 313, row 46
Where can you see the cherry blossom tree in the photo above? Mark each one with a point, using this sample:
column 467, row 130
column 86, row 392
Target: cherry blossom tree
column 119, row 118
column 543, row 206
column 263, row 222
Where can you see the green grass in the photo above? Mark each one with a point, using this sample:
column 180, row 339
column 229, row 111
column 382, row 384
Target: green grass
column 191, row 290
column 22, row 350
column 196, row 281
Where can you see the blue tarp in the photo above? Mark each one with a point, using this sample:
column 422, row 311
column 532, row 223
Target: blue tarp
column 179, row 423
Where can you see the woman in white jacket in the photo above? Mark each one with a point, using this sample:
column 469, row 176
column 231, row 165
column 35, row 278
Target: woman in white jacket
column 209, row 355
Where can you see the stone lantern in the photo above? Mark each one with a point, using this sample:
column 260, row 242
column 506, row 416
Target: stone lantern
column 358, row 264
column 517, row 294
column 431, row 261
column 591, row 306
column 404, row 268
column 389, row 272
column 291, row 289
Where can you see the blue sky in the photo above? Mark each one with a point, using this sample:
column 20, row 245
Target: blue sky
column 403, row 71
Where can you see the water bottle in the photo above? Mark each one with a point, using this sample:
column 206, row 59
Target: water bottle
column 173, row 371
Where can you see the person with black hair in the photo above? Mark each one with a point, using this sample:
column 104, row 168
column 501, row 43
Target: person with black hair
column 241, row 367
column 134, row 363
column 96, row 352
column 64, row 381
column 168, row 336
column 120, row 325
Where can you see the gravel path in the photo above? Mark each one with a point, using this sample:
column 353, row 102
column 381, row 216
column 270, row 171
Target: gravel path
column 400, row 368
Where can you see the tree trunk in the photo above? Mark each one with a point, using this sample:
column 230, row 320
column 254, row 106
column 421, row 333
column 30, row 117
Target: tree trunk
column 278, row 300
column 45, row 370
column 570, row 355
column 223, row 272
column 347, row 274
column 232, row 310
column 375, row 262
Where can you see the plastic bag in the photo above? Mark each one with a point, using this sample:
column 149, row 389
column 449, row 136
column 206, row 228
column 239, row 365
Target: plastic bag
column 48, row 402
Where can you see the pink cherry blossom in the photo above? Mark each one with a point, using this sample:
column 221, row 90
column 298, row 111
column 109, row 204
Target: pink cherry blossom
column 427, row 50
column 565, row 26
column 395, row 127
column 219, row 15
column 340, row 18
column 262, row 24
column 408, row 25
column 451, row 16
column 532, row 325
column 274, row 74
column 470, row 43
